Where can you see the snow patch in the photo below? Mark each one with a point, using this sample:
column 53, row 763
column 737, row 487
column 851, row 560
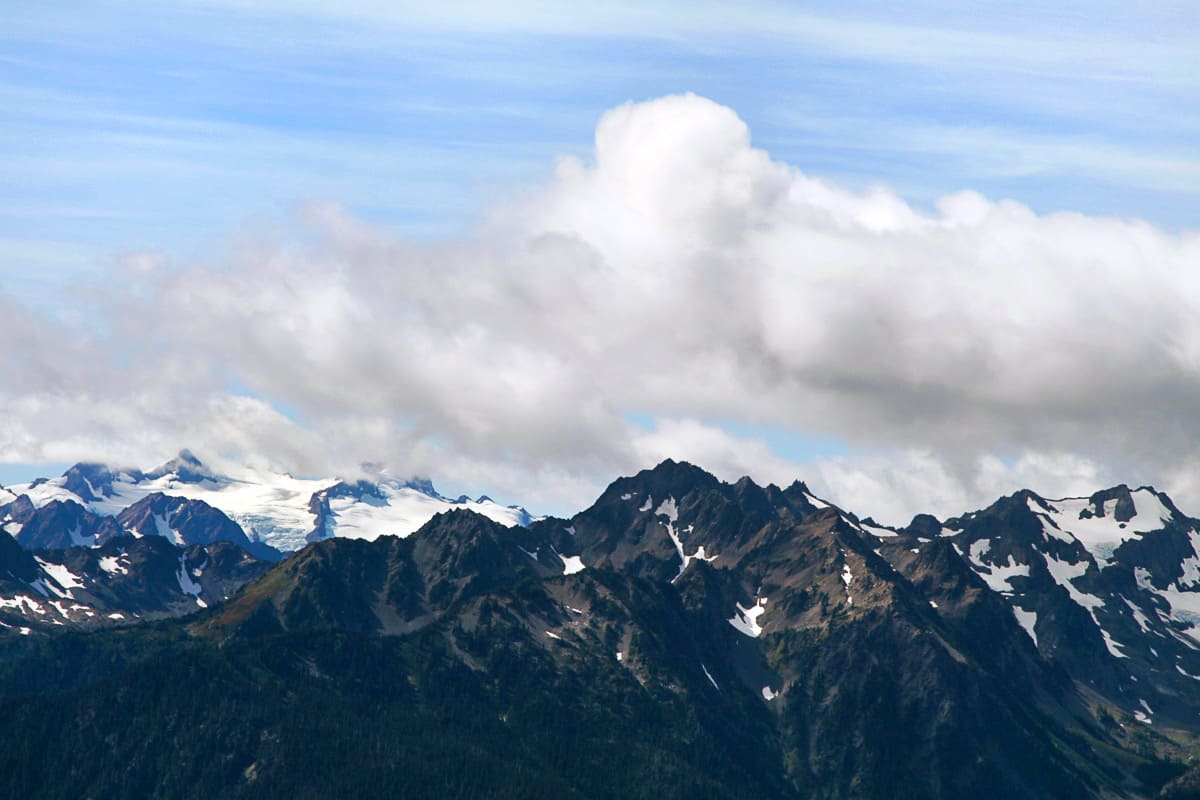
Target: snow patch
column 186, row 584
column 1187, row 674
column 708, row 675
column 768, row 694
column 1102, row 535
column 1142, row 620
column 669, row 510
column 1064, row 574
column 997, row 576
column 876, row 530
column 113, row 566
column 79, row 540
column 22, row 601
column 61, row 575
column 1142, row 576
column 1050, row 527
column 1184, row 606
column 746, row 619
column 162, row 526
column 1027, row 620
column 1190, row 566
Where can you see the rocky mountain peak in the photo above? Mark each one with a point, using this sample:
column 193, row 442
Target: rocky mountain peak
column 669, row 479
column 16, row 563
column 184, row 467
column 91, row 481
column 924, row 526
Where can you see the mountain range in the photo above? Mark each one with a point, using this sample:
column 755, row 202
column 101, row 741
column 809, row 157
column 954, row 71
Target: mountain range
column 682, row 637
column 278, row 511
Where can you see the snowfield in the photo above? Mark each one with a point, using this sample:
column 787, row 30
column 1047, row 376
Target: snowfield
column 274, row 508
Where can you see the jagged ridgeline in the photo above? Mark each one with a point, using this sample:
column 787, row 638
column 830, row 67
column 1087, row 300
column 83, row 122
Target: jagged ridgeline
column 273, row 512
column 681, row 638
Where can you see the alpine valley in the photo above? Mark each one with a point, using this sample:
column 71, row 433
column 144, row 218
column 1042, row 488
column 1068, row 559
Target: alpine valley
column 186, row 634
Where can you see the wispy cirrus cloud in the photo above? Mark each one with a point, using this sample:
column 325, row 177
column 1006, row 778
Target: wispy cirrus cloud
column 411, row 114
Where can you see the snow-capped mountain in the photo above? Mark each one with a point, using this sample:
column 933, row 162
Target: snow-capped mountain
column 1108, row 586
column 56, row 524
column 187, row 521
column 723, row 640
column 63, row 523
column 367, row 510
column 122, row 580
column 278, row 510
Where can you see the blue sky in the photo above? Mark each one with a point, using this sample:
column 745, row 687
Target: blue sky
column 135, row 126
column 136, row 132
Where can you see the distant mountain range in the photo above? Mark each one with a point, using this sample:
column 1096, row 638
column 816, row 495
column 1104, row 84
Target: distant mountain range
column 682, row 637
column 279, row 511
column 124, row 580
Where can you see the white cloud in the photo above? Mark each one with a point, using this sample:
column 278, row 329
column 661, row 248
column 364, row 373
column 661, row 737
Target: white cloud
column 894, row 486
column 682, row 274
column 884, row 487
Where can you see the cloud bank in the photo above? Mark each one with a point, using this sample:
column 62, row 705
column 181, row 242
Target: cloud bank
column 679, row 276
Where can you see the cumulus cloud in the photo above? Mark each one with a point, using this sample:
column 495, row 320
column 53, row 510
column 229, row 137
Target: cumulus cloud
column 681, row 275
